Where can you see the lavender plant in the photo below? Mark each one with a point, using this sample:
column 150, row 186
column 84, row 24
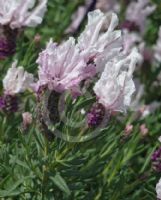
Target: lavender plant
column 80, row 118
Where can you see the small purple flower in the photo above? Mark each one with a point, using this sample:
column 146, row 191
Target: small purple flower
column 7, row 42
column 156, row 160
column 96, row 115
column 9, row 103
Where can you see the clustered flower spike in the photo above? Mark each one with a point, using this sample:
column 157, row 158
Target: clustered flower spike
column 17, row 80
column 115, row 87
column 96, row 115
column 138, row 11
column 15, row 15
column 64, row 66
column 157, row 48
column 22, row 13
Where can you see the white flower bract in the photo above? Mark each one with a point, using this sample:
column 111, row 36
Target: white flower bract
column 20, row 13
column 17, row 80
column 115, row 87
column 97, row 45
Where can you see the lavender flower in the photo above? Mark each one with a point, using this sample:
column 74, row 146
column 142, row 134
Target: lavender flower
column 11, row 103
column 13, row 16
column 100, row 47
column 96, row 115
column 63, row 67
column 137, row 12
column 115, row 87
column 15, row 81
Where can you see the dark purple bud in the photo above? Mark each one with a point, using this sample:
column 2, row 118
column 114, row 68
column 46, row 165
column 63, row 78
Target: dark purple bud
column 9, row 103
column 95, row 115
column 7, row 42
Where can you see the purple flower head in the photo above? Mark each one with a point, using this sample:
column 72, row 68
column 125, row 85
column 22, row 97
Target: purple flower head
column 95, row 115
column 9, row 103
column 7, row 48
